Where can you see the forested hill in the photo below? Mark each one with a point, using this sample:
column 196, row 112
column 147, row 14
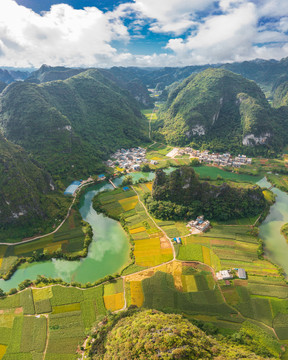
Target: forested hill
column 218, row 105
column 181, row 195
column 152, row 334
column 27, row 195
column 71, row 126
column 49, row 73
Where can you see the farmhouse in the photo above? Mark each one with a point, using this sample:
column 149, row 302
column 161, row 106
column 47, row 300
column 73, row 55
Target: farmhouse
column 224, row 275
column 241, row 274
column 199, row 224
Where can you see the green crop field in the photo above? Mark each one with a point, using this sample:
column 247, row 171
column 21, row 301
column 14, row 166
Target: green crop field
column 69, row 239
column 67, row 313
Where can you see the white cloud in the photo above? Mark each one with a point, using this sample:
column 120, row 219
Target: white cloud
column 272, row 8
column 221, row 37
column 62, row 35
column 283, row 24
column 170, row 16
column 229, row 30
column 232, row 36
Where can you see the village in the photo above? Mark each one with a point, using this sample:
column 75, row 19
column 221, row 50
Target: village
column 215, row 159
column 129, row 159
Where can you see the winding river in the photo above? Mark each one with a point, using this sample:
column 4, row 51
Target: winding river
column 109, row 250
column 276, row 247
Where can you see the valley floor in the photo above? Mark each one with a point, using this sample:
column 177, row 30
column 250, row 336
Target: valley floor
column 52, row 322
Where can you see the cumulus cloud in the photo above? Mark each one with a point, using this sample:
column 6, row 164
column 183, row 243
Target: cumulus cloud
column 62, row 35
column 233, row 35
column 171, row 15
column 200, row 31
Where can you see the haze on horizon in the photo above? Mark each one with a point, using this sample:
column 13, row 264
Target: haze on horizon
column 105, row 33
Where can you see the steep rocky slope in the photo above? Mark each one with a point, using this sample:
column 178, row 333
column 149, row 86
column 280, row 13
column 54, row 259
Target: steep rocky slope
column 218, row 104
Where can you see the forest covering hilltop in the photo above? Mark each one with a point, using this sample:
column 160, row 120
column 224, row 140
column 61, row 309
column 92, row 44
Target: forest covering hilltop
column 181, row 195
column 223, row 109
column 151, row 334
column 71, row 126
column 28, row 194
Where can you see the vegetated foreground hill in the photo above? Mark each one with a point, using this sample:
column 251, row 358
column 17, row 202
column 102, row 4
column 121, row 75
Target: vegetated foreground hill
column 27, row 195
column 151, row 334
column 71, row 126
column 223, row 109
column 181, row 195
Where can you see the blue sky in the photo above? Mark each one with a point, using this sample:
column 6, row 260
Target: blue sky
column 106, row 33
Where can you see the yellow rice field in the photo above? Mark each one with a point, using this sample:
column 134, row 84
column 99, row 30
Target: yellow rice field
column 149, row 252
column 42, row 294
column 137, row 296
column 66, row 308
column 128, row 203
column 114, row 302
column 149, row 185
column 2, row 351
column 206, row 255
column 137, row 230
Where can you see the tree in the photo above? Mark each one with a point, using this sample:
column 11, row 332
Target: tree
column 195, row 162
column 145, row 168
column 2, row 293
column 128, row 180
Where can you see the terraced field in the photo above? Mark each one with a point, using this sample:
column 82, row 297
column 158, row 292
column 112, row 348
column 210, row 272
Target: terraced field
column 151, row 247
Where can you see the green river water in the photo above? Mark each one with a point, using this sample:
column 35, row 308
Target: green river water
column 109, row 250
column 276, row 247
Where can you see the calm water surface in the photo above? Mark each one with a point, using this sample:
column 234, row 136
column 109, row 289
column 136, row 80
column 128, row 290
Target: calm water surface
column 276, row 246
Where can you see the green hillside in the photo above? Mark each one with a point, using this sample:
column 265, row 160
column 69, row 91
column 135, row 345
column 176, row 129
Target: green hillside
column 28, row 196
column 71, row 126
column 280, row 96
column 222, row 108
column 152, row 334
column 2, row 86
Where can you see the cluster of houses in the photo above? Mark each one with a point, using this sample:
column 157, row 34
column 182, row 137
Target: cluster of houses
column 215, row 158
column 128, row 159
column 227, row 274
column 199, row 224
